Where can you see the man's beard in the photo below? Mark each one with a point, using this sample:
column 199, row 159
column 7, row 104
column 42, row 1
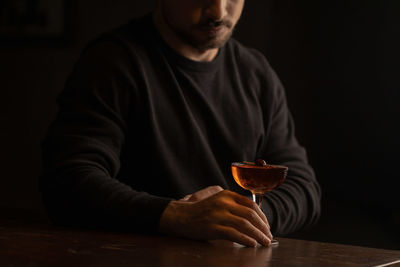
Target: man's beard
column 214, row 41
column 211, row 43
column 203, row 44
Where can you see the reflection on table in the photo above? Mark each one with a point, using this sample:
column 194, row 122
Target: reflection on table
column 44, row 245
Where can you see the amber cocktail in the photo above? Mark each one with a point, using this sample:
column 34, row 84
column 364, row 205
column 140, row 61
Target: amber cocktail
column 259, row 178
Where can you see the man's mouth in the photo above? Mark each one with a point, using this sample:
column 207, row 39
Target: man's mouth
column 213, row 30
column 213, row 27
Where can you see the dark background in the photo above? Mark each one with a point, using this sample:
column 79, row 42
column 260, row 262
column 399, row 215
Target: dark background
column 339, row 62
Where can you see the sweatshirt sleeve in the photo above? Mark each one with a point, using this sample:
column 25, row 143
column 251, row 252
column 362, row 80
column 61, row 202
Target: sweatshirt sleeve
column 294, row 205
column 84, row 145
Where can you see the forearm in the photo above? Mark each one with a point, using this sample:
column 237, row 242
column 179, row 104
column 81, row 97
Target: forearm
column 293, row 206
column 296, row 203
column 86, row 197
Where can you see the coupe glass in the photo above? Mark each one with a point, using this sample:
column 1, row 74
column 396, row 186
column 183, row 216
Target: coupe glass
column 258, row 179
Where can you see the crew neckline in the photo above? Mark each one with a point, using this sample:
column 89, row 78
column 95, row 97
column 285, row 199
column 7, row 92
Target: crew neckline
column 182, row 61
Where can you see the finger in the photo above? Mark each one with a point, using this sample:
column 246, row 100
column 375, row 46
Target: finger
column 205, row 193
column 253, row 217
column 250, row 204
column 229, row 233
column 186, row 198
column 244, row 226
column 261, row 214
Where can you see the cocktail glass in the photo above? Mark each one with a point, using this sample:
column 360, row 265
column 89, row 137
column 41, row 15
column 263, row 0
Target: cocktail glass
column 258, row 179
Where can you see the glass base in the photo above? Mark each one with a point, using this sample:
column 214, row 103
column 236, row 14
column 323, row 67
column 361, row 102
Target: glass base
column 274, row 242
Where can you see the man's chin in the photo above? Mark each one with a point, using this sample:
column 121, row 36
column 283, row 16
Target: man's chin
column 209, row 46
column 212, row 43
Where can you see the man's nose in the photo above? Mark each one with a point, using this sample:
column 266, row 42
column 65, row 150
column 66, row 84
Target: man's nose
column 216, row 9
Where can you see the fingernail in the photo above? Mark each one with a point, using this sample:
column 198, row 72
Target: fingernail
column 268, row 234
column 266, row 242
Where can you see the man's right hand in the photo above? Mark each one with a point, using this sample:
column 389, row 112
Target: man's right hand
column 213, row 213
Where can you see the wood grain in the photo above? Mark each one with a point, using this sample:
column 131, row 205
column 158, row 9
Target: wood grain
column 28, row 245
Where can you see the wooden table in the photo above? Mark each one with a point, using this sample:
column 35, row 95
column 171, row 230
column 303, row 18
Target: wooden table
column 29, row 245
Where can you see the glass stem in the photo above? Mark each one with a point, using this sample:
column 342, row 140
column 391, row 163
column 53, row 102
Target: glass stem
column 257, row 198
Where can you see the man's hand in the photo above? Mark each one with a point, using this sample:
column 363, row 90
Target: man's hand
column 214, row 213
column 204, row 193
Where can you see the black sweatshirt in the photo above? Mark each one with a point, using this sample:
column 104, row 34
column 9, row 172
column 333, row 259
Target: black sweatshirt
column 139, row 125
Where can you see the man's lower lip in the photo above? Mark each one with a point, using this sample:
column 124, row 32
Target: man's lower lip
column 213, row 29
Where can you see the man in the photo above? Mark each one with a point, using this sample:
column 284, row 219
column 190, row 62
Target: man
column 150, row 120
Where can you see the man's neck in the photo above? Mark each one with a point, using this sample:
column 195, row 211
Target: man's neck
column 180, row 46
